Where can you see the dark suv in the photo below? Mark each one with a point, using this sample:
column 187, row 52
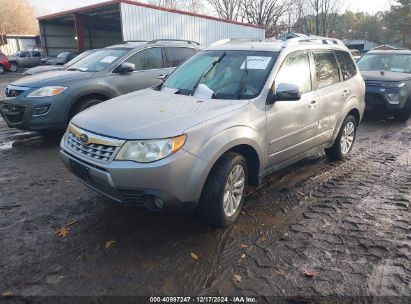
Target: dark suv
column 47, row 101
column 387, row 76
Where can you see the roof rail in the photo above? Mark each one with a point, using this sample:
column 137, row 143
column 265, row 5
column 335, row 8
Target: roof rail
column 127, row 41
column 236, row 40
column 174, row 40
column 314, row 39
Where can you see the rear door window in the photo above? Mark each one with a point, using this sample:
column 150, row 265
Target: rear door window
column 326, row 68
column 36, row 54
column 147, row 59
column 347, row 65
column 296, row 70
column 177, row 55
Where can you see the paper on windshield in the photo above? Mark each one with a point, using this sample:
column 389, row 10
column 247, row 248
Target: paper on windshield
column 256, row 62
column 203, row 92
column 108, row 59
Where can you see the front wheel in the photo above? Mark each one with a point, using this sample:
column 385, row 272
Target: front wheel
column 403, row 114
column 345, row 140
column 13, row 67
column 223, row 193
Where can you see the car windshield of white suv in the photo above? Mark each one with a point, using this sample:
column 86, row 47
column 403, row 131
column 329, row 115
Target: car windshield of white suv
column 98, row 60
column 400, row 63
column 222, row 74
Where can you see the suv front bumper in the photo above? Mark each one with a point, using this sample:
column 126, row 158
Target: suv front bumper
column 178, row 179
column 376, row 98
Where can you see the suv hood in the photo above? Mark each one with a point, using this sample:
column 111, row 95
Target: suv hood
column 375, row 76
column 45, row 68
column 60, row 78
column 149, row 114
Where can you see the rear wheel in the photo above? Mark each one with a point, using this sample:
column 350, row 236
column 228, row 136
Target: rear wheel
column 223, row 193
column 345, row 140
column 2, row 69
column 13, row 67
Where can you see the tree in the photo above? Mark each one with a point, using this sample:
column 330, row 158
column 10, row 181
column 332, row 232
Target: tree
column 17, row 17
column 227, row 9
column 193, row 6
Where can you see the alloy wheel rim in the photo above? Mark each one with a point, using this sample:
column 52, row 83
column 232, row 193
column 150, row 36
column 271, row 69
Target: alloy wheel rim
column 347, row 138
column 233, row 191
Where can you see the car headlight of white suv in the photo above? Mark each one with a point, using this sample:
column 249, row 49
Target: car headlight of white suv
column 145, row 151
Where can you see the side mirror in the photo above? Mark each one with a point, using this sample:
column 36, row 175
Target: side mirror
column 126, row 67
column 284, row 92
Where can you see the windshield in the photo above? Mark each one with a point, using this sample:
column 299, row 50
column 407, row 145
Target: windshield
column 79, row 57
column 222, row 74
column 64, row 54
column 400, row 63
column 98, row 60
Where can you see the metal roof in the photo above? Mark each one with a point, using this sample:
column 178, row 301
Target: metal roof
column 111, row 2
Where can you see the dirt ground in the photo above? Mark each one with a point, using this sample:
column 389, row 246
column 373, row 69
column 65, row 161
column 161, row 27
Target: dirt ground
column 347, row 222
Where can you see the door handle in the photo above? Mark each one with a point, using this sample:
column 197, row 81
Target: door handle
column 345, row 92
column 312, row 103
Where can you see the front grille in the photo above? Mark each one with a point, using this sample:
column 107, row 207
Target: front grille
column 13, row 92
column 92, row 151
column 13, row 113
column 374, row 99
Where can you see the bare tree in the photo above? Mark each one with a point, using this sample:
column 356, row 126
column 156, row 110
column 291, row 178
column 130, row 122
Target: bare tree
column 193, row 6
column 326, row 14
column 266, row 13
column 227, row 9
column 17, row 17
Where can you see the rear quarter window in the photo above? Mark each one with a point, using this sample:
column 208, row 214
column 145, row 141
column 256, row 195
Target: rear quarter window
column 347, row 65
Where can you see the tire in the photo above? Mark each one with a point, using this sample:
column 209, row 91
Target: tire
column 2, row 69
column 13, row 67
column 403, row 114
column 213, row 208
column 341, row 149
column 82, row 105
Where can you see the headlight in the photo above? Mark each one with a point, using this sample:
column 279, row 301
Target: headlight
column 47, row 91
column 145, row 151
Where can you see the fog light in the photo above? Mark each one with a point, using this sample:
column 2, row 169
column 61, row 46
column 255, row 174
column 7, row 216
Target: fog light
column 40, row 110
column 158, row 202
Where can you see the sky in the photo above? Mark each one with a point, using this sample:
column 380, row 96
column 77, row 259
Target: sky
column 51, row 6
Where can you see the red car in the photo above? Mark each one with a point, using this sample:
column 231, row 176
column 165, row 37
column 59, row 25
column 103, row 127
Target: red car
column 4, row 63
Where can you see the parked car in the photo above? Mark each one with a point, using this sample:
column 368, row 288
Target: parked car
column 60, row 59
column 228, row 116
column 387, row 76
column 46, row 68
column 25, row 59
column 4, row 63
column 356, row 54
column 47, row 101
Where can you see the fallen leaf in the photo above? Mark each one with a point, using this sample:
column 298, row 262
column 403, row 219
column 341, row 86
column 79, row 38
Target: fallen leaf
column 7, row 294
column 243, row 245
column 48, row 190
column 63, row 231
column 300, row 193
column 242, row 256
column 242, row 212
column 110, row 243
column 237, row 278
column 71, row 222
column 263, row 239
column 61, row 277
column 310, row 274
column 194, row 256
column 67, row 181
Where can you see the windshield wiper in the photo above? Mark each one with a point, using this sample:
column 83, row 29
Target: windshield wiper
column 74, row 69
column 243, row 79
column 205, row 73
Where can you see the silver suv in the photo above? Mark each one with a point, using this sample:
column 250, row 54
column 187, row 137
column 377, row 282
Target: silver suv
column 227, row 117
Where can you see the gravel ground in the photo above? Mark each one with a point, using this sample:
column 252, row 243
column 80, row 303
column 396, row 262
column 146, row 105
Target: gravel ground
column 348, row 223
